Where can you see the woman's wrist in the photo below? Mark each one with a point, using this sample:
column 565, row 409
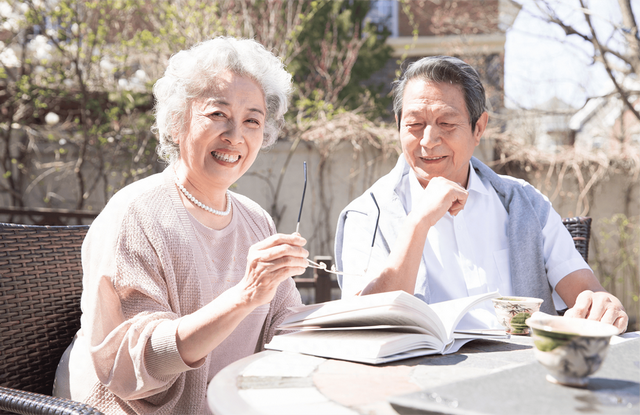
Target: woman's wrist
column 202, row 331
column 240, row 299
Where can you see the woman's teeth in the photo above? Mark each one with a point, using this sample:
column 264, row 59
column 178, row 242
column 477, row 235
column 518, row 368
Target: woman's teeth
column 225, row 157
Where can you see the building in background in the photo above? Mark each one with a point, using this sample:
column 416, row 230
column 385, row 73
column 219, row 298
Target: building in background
column 605, row 123
column 474, row 31
column 546, row 129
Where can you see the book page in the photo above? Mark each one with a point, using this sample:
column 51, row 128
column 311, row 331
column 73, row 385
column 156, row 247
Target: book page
column 398, row 329
column 450, row 312
column 394, row 315
column 495, row 333
column 456, row 344
column 307, row 312
column 392, row 308
column 369, row 346
column 460, row 340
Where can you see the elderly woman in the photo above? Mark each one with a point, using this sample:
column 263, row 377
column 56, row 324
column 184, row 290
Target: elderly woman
column 182, row 276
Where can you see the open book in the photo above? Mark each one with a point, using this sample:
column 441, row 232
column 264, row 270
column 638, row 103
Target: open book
column 379, row 328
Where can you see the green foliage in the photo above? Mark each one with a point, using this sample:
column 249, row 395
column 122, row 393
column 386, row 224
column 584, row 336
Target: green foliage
column 617, row 249
column 328, row 79
column 93, row 63
column 372, row 57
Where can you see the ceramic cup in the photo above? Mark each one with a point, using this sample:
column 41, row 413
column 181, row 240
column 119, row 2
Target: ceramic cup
column 570, row 348
column 513, row 311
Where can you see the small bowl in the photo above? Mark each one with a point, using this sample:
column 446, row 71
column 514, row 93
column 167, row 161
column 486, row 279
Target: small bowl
column 570, row 348
column 512, row 312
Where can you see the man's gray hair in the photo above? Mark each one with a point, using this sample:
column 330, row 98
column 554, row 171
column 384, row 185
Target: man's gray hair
column 439, row 69
column 192, row 73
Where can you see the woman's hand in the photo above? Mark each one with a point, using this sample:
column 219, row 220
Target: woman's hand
column 270, row 262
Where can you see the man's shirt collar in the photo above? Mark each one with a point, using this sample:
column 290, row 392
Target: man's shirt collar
column 475, row 184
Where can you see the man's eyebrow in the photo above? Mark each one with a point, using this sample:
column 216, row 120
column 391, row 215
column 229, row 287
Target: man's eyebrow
column 452, row 113
column 413, row 112
column 448, row 112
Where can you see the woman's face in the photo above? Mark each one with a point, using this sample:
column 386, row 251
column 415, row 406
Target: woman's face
column 224, row 134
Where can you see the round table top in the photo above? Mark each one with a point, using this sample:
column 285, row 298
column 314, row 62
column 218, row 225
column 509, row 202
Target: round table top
column 273, row 382
column 485, row 376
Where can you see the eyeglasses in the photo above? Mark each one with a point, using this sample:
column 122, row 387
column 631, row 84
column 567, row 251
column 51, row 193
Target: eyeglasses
column 304, row 190
column 322, row 265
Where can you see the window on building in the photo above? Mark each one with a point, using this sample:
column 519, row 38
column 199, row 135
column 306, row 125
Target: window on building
column 384, row 13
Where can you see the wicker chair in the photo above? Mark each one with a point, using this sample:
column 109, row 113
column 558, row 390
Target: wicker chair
column 40, row 288
column 580, row 229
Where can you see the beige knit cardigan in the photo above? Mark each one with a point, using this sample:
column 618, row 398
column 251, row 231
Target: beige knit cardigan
column 141, row 265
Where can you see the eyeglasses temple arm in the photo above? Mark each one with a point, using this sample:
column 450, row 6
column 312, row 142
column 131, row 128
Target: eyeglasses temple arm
column 304, row 190
column 375, row 231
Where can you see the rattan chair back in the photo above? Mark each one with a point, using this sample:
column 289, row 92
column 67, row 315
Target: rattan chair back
column 40, row 289
column 580, row 230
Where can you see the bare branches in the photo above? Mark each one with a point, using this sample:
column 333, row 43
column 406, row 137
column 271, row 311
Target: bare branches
column 355, row 129
column 333, row 65
column 630, row 32
column 599, row 46
column 83, row 84
column 276, row 24
column 619, row 52
column 550, row 171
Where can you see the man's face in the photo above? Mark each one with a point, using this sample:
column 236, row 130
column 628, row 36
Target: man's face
column 435, row 131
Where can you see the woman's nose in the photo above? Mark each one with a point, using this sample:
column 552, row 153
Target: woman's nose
column 233, row 135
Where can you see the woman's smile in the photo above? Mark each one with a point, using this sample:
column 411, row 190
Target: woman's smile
column 227, row 158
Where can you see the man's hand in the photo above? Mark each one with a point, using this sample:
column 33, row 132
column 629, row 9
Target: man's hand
column 600, row 306
column 581, row 291
column 439, row 197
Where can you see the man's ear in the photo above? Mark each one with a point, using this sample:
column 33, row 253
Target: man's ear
column 397, row 122
column 481, row 126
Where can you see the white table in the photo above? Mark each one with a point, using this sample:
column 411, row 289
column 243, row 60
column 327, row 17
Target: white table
column 288, row 383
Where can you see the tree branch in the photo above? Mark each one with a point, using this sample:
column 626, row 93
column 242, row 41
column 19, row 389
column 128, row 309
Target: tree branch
column 623, row 94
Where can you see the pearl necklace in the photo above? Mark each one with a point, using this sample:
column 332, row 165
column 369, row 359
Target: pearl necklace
column 202, row 205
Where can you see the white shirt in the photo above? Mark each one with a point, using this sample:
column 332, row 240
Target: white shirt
column 469, row 254
column 463, row 255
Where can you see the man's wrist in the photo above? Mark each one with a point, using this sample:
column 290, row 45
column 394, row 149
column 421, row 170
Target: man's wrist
column 421, row 222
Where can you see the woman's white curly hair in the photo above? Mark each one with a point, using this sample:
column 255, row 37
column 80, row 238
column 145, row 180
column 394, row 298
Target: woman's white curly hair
column 192, row 73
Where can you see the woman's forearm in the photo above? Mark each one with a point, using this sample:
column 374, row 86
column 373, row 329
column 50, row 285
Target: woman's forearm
column 269, row 263
column 202, row 331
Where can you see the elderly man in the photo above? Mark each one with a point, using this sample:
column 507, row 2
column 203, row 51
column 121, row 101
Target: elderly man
column 450, row 227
